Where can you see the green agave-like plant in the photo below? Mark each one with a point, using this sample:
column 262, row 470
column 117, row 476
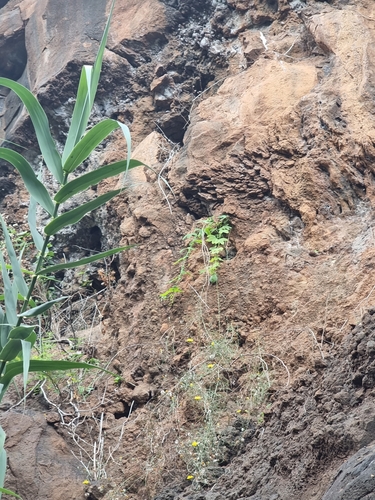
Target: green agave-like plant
column 17, row 335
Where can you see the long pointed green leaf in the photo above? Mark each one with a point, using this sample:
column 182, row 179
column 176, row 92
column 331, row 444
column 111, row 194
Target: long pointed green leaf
column 5, row 328
column 21, row 332
column 35, row 311
column 126, row 132
column 9, row 492
column 2, row 328
column 81, row 110
column 2, row 442
column 3, row 458
column 83, row 262
column 14, row 345
column 88, row 143
column 99, row 58
column 87, row 88
column 76, row 214
column 27, row 345
column 16, row 268
column 15, row 292
column 91, row 178
column 31, row 218
column 10, row 300
column 39, row 365
column 46, row 365
column 41, row 126
column 11, row 350
column 33, row 185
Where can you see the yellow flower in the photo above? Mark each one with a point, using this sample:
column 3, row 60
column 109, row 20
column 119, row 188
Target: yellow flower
column 212, row 343
column 86, row 481
column 189, row 340
column 190, row 477
column 197, row 398
column 191, row 384
column 194, row 444
column 238, row 411
column 211, row 365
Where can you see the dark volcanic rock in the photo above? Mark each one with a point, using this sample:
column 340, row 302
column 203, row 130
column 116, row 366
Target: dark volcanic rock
column 355, row 479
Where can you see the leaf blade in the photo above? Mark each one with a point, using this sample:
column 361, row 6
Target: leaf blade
column 3, row 458
column 87, row 88
column 88, row 143
column 75, row 215
column 40, row 365
column 9, row 492
column 27, row 345
column 91, row 178
column 80, row 112
column 41, row 126
column 128, row 139
column 14, row 345
column 16, row 268
column 83, row 262
column 97, row 68
column 35, row 188
column 10, row 299
column 36, row 311
column 31, row 219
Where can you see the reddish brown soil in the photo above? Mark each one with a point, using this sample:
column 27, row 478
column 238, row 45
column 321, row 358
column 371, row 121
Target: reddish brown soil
column 266, row 113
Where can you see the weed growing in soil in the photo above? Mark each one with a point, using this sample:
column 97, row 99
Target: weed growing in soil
column 211, row 236
column 213, row 391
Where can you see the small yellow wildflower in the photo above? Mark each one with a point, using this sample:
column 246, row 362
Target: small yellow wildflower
column 191, row 384
column 189, row 340
column 86, row 481
column 197, row 398
column 194, row 444
column 238, row 411
column 212, row 343
column 190, row 477
column 211, row 365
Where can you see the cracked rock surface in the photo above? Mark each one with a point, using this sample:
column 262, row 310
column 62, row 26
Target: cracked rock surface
column 262, row 110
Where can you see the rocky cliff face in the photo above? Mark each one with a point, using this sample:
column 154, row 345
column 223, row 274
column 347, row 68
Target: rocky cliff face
column 262, row 110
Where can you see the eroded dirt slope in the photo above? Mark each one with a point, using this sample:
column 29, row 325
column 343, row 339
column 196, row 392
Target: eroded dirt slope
column 262, row 111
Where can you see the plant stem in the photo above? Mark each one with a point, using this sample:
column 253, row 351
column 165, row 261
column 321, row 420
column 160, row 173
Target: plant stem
column 40, row 260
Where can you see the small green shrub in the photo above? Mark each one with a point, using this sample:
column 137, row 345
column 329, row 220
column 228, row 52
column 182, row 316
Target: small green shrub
column 211, row 236
column 171, row 293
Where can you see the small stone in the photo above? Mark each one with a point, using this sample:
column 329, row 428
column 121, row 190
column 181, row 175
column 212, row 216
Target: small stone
column 164, row 327
column 370, row 348
column 145, row 232
column 357, row 379
column 52, row 417
column 142, row 393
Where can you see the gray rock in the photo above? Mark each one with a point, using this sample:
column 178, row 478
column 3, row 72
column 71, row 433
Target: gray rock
column 355, row 480
column 41, row 465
